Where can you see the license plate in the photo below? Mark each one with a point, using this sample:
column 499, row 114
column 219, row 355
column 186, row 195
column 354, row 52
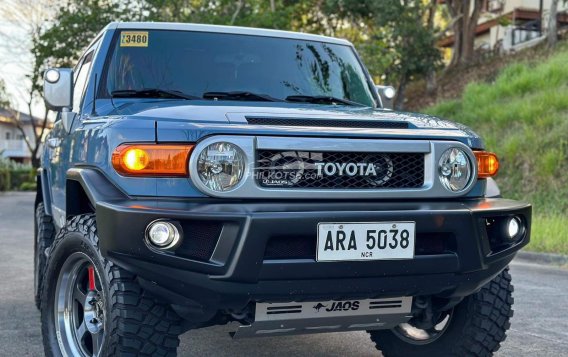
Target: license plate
column 365, row 241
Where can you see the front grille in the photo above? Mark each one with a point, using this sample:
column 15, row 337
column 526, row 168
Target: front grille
column 291, row 247
column 304, row 247
column 339, row 170
column 337, row 123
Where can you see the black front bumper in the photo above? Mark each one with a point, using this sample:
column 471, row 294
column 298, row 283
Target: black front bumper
column 262, row 251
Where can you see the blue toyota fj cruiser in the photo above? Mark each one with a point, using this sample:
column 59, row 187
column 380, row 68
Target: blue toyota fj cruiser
column 202, row 175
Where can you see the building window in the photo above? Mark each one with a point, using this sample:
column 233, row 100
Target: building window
column 494, row 5
column 8, row 135
column 20, row 137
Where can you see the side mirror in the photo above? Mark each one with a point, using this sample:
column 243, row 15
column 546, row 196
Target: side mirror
column 58, row 88
column 387, row 94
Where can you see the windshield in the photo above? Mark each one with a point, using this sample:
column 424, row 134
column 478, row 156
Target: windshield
column 196, row 63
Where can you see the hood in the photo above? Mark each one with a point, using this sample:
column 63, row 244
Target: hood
column 231, row 117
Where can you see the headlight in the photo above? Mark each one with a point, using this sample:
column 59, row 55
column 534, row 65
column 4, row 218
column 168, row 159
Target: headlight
column 454, row 169
column 220, row 166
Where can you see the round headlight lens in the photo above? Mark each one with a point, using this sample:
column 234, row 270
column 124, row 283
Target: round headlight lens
column 455, row 169
column 221, row 166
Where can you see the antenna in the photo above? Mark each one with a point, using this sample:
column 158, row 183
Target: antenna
column 94, row 111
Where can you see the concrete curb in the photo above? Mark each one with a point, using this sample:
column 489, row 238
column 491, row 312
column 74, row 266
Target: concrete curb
column 16, row 193
column 542, row 258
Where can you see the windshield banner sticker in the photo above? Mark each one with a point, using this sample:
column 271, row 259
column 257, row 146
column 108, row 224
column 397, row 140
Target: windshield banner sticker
column 134, row 39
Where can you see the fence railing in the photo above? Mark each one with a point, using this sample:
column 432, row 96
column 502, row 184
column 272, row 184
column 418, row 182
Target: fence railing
column 14, row 148
column 526, row 32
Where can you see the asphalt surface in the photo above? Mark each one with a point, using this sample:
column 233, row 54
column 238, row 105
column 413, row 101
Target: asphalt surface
column 539, row 327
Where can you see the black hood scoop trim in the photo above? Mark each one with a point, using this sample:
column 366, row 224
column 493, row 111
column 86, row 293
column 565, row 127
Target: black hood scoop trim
column 328, row 122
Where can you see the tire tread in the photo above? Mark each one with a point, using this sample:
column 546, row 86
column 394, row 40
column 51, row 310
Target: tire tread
column 45, row 231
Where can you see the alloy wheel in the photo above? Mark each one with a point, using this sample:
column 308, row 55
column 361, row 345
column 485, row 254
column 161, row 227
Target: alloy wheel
column 417, row 336
column 79, row 307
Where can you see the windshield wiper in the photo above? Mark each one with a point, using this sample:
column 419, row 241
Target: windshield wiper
column 324, row 99
column 151, row 93
column 240, row 95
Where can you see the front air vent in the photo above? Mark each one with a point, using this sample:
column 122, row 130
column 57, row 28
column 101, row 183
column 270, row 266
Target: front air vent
column 385, row 304
column 335, row 123
column 278, row 310
column 200, row 239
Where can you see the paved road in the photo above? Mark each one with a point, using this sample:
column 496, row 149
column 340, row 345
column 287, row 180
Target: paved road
column 540, row 325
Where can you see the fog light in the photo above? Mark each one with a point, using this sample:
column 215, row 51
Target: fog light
column 513, row 227
column 163, row 234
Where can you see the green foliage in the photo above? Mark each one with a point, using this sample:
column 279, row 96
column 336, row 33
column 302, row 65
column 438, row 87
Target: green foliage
column 28, row 186
column 549, row 234
column 410, row 40
column 523, row 116
column 7, row 164
column 13, row 175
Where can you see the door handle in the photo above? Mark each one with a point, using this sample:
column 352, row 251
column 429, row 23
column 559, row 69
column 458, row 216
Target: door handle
column 53, row 142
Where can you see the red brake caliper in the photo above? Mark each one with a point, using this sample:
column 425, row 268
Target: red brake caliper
column 91, row 278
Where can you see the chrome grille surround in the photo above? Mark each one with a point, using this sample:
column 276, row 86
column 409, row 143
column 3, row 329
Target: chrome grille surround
column 250, row 188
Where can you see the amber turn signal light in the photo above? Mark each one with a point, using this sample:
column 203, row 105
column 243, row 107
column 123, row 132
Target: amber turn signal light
column 487, row 164
column 152, row 160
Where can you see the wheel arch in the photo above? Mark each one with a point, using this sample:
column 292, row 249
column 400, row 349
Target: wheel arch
column 84, row 188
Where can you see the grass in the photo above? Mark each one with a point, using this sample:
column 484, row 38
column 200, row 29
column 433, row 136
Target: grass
column 549, row 234
column 523, row 117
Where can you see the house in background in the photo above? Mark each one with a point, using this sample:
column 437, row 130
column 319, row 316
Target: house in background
column 511, row 25
column 12, row 143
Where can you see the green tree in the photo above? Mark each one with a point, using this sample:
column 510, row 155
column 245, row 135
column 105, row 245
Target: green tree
column 400, row 41
column 465, row 15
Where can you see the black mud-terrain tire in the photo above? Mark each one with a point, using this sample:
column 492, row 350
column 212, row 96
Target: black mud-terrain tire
column 44, row 232
column 478, row 326
column 136, row 324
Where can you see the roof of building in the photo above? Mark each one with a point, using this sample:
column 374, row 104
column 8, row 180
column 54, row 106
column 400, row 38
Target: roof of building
column 226, row 29
column 6, row 115
column 485, row 25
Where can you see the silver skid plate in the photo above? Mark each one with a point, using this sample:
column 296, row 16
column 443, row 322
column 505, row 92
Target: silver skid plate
column 326, row 316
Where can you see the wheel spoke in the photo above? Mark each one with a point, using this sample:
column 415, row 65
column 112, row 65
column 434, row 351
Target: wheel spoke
column 97, row 342
column 81, row 331
column 78, row 295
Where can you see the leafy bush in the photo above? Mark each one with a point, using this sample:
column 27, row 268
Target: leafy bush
column 28, row 186
column 16, row 176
